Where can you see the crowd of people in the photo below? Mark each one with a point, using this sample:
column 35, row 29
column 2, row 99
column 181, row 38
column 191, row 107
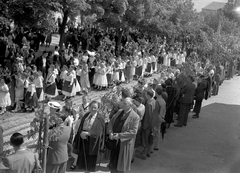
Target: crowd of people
column 131, row 126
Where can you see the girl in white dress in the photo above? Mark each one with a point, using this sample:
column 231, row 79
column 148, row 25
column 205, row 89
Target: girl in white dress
column 62, row 77
column 116, row 72
column 19, row 91
column 5, row 99
column 122, row 65
column 76, row 86
column 96, row 75
column 101, row 80
column 165, row 59
column 31, row 100
column 68, row 85
column 38, row 81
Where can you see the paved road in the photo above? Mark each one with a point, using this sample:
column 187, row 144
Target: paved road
column 210, row 144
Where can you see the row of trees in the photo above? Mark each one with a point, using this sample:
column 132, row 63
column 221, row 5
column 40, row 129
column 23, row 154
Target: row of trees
column 177, row 20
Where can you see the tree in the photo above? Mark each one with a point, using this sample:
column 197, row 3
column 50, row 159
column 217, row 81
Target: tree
column 69, row 8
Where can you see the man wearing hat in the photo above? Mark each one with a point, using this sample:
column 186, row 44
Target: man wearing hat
column 58, row 151
column 54, row 107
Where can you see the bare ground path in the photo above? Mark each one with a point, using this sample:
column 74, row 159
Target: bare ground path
column 210, row 144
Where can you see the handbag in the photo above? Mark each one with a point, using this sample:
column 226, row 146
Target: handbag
column 111, row 144
column 37, row 167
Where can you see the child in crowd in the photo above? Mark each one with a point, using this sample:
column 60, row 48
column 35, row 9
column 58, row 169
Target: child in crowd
column 5, row 99
column 19, row 91
column 38, row 81
column 31, row 100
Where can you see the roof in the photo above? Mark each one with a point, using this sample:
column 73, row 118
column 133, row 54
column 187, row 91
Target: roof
column 214, row 6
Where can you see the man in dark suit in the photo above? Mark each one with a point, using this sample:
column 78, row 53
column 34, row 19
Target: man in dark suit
column 199, row 96
column 185, row 102
column 42, row 63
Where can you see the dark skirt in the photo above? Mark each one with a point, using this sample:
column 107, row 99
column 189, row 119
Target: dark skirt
column 39, row 91
column 153, row 65
column 78, row 79
column 31, row 102
column 66, row 87
column 85, row 161
column 109, row 78
column 60, row 84
column 139, row 71
column 149, row 68
column 51, row 89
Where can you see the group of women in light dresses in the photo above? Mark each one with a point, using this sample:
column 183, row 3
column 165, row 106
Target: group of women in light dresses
column 28, row 90
column 172, row 59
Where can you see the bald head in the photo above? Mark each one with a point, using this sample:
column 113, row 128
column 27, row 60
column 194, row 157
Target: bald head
column 127, row 103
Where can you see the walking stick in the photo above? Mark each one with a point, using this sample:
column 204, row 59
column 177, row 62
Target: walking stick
column 84, row 153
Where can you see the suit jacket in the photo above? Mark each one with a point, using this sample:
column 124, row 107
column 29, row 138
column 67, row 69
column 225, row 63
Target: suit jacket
column 201, row 89
column 96, row 135
column 22, row 161
column 187, row 93
column 39, row 64
column 127, row 139
column 150, row 112
column 58, row 153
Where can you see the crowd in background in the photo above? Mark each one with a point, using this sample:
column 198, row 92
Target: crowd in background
column 132, row 125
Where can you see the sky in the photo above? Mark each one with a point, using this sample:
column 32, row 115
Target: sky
column 199, row 4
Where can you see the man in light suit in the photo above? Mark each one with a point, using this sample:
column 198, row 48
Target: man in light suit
column 123, row 128
column 22, row 161
column 58, row 152
column 147, row 124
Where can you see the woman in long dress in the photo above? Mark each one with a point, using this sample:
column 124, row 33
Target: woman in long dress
column 38, row 81
column 68, row 85
column 5, row 99
column 128, row 71
column 116, row 72
column 31, row 100
column 19, row 91
column 101, row 81
column 122, row 65
column 85, row 84
column 76, row 86
column 51, row 86
column 139, row 68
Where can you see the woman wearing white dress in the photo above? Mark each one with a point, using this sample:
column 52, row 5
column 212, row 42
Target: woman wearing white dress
column 38, row 81
column 19, row 91
column 122, row 65
column 76, row 86
column 165, row 58
column 5, row 99
column 96, row 74
column 68, row 83
column 101, row 80
column 144, row 65
column 115, row 71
